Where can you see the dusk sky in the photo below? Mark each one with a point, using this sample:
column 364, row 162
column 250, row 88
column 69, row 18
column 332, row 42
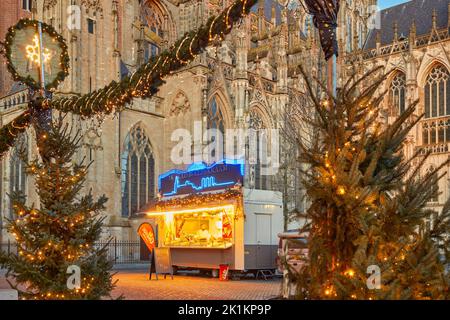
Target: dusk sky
column 389, row 3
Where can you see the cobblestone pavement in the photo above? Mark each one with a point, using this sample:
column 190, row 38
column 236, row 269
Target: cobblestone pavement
column 136, row 286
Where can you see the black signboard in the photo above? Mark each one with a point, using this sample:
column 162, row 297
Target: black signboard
column 161, row 263
column 200, row 178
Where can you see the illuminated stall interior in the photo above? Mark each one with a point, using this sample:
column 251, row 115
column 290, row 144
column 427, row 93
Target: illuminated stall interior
column 208, row 227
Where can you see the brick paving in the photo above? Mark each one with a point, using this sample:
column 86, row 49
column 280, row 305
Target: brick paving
column 135, row 285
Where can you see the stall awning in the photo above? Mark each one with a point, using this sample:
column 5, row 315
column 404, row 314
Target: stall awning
column 193, row 202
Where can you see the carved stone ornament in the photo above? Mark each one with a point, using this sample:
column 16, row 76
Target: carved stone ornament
column 180, row 104
column 93, row 4
column 48, row 4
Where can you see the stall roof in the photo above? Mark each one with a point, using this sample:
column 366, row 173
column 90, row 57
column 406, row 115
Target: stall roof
column 418, row 11
column 191, row 201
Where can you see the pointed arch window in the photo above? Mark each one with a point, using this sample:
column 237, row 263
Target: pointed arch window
column 138, row 172
column 349, row 34
column 436, row 127
column 360, row 36
column 307, row 24
column 17, row 168
column 397, row 93
column 261, row 181
column 153, row 19
column 216, row 122
column 435, row 186
column 437, row 93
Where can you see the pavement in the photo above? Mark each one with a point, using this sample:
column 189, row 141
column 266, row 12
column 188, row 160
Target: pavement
column 135, row 285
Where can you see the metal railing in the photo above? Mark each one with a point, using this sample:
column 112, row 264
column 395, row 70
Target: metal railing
column 122, row 251
column 400, row 46
column 118, row 251
column 8, row 247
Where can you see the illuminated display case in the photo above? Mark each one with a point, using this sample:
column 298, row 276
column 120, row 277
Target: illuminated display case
column 200, row 228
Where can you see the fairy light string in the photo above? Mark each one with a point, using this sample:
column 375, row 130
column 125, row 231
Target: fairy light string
column 181, row 53
column 142, row 84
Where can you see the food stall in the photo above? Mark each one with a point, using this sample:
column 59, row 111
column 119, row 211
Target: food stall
column 208, row 219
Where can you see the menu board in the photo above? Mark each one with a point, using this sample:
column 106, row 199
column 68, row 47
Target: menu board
column 163, row 261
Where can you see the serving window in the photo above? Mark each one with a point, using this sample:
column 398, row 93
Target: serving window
column 204, row 228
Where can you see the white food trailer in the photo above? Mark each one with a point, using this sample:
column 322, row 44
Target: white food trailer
column 208, row 219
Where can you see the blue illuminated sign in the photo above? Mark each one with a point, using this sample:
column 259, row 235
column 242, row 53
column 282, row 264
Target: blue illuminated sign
column 201, row 178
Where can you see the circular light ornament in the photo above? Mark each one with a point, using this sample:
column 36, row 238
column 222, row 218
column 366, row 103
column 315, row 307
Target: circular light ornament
column 26, row 54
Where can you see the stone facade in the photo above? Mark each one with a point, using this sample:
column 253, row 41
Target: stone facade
column 12, row 11
column 413, row 45
column 245, row 81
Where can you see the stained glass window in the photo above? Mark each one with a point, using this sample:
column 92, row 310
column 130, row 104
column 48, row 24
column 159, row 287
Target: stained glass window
column 216, row 122
column 397, row 93
column 257, row 124
column 436, row 129
column 17, row 172
column 435, row 186
column 437, row 93
column 349, row 34
column 138, row 172
column 152, row 18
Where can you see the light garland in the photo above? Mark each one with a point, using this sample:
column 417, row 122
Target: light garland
column 32, row 55
column 113, row 97
column 142, row 84
column 195, row 201
column 33, row 52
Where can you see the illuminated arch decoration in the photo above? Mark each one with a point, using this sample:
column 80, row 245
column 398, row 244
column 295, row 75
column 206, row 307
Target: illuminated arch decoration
column 23, row 54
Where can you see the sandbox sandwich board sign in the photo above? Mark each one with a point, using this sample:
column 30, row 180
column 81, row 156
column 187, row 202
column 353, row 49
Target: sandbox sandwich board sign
column 161, row 263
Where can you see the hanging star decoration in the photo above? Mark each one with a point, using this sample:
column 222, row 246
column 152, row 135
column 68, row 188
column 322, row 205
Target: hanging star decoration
column 325, row 14
column 22, row 48
column 34, row 55
column 23, row 60
column 113, row 98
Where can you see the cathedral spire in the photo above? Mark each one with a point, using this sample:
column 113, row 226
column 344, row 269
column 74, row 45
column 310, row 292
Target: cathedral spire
column 395, row 30
column 261, row 19
column 34, row 9
column 412, row 35
column 434, row 19
column 273, row 16
column 141, row 40
column 448, row 15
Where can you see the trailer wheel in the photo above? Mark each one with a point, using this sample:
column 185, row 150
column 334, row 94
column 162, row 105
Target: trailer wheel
column 234, row 275
column 175, row 270
column 215, row 273
column 204, row 272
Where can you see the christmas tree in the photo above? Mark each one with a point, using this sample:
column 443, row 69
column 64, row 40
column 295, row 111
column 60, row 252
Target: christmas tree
column 57, row 237
column 368, row 209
